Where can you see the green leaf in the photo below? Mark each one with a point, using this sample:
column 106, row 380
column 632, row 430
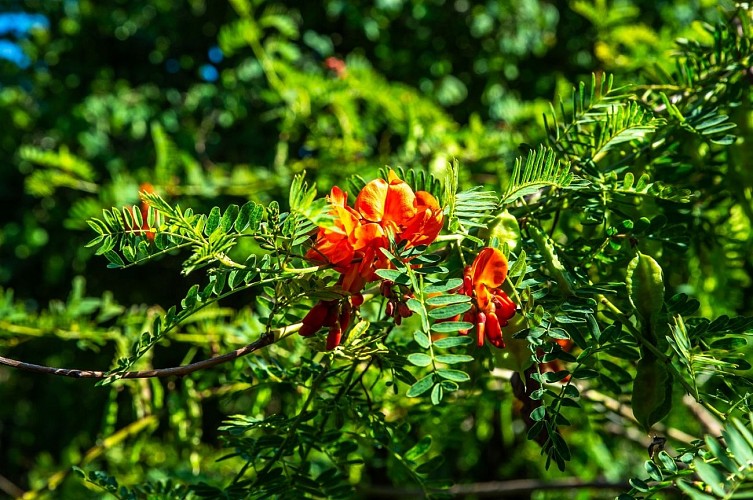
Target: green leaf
column 421, row 339
column 419, row 359
column 421, row 386
column 653, row 470
column 443, row 300
column 244, row 215
column 255, row 217
column 585, row 373
column 398, row 277
column 638, row 484
column 213, row 221
column 449, row 342
column 437, row 393
column 711, row 476
column 446, row 286
column 667, row 461
column 419, row 449
column 454, row 375
column 593, row 328
column 538, row 413
column 191, row 297
column 228, row 218
column 451, row 327
column 693, row 492
column 452, row 359
column 114, row 258
column 450, row 311
column 738, row 445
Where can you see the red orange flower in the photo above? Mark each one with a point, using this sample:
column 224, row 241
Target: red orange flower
column 383, row 209
column 492, row 308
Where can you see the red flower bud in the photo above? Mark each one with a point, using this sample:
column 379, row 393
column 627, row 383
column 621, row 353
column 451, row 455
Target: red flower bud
column 390, row 308
column 356, row 299
column 403, row 310
column 315, row 319
column 493, row 331
column 480, row 328
column 334, row 337
column 345, row 316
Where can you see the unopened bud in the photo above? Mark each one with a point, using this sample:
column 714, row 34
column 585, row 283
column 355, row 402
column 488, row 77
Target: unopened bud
column 480, row 328
column 356, row 299
column 403, row 310
column 334, row 337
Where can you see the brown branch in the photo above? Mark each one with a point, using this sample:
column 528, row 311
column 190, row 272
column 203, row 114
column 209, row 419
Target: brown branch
column 498, row 489
column 177, row 371
column 9, row 488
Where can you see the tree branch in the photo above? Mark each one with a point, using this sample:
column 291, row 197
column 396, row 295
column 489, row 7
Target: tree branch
column 177, row 371
column 499, row 489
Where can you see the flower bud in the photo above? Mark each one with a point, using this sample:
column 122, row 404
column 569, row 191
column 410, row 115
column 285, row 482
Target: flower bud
column 493, row 331
column 334, row 337
column 356, row 299
column 480, row 328
column 403, row 310
column 314, row 320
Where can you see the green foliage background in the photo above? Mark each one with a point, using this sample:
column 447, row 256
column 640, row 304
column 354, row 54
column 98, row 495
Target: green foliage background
column 122, row 93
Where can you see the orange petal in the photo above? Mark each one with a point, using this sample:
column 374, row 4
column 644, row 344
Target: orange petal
column 371, row 200
column 400, row 204
column 367, row 235
column 423, row 228
column 489, row 268
column 338, row 197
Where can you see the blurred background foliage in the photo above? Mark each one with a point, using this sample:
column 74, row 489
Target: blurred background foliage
column 212, row 104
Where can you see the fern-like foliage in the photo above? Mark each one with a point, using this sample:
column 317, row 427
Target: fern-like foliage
column 538, row 170
column 62, row 169
column 472, row 207
column 122, row 233
column 601, row 117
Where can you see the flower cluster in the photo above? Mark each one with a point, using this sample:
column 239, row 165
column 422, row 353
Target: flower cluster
column 492, row 308
column 397, row 300
column 384, row 211
column 333, row 314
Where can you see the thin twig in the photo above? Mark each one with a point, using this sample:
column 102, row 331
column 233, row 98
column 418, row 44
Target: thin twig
column 9, row 488
column 177, row 371
column 498, row 489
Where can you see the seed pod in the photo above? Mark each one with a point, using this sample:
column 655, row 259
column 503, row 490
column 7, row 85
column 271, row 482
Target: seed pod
column 652, row 392
column 504, row 227
column 553, row 264
column 645, row 286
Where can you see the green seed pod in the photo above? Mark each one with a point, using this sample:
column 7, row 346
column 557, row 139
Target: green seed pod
column 504, row 227
column 645, row 286
column 652, row 392
column 553, row 264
